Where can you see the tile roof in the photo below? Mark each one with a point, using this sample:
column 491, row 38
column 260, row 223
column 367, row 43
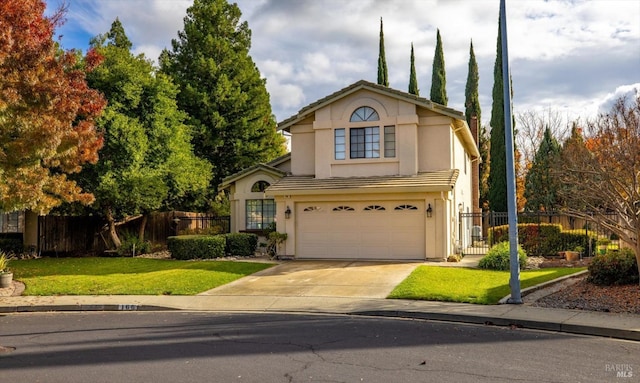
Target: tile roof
column 422, row 182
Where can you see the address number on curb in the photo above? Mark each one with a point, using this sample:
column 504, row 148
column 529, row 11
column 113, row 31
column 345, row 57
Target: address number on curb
column 128, row 307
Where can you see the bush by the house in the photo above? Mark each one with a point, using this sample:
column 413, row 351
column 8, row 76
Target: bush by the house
column 241, row 244
column 196, row 246
column 132, row 246
column 11, row 245
column 544, row 239
column 614, row 268
column 497, row 257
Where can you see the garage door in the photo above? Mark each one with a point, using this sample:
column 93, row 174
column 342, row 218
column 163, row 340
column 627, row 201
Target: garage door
column 361, row 230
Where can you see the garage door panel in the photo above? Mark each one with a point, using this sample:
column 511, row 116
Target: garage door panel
column 361, row 233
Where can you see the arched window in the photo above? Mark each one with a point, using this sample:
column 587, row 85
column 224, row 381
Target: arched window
column 260, row 186
column 343, row 208
column 406, row 207
column 374, row 208
column 364, row 113
column 312, row 208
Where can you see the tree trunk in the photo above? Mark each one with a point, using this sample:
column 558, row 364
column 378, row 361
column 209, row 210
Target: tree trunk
column 112, row 229
column 143, row 226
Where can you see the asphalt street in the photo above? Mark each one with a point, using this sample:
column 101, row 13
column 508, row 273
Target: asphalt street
column 249, row 347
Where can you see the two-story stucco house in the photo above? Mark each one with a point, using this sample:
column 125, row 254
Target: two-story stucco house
column 373, row 173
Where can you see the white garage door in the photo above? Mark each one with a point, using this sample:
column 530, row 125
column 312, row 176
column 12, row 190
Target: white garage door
column 361, row 230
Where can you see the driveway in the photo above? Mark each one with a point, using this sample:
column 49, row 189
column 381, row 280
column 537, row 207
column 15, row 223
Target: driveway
column 321, row 279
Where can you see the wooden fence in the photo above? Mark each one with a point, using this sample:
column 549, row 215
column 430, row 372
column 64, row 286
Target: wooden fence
column 68, row 235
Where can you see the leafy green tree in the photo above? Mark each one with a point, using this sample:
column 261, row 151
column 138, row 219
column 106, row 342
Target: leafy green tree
column 413, row 80
column 221, row 90
column 383, row 75
column 147, row 162
column 541, row 187
column 438, row 76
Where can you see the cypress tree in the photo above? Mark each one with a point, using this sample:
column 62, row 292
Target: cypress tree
column 498, row 171
column 472, row 103
column 439, row 77
column 383, row 75
column 413, row 81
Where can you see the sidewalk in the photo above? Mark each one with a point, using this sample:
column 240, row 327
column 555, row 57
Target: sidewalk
column 570, row 321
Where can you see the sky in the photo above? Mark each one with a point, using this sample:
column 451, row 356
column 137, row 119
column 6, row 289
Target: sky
column 569, row 57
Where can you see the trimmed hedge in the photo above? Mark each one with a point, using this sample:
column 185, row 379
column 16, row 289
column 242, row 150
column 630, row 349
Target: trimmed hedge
column 614, row 268
column 196, row 246
column 498, row 257
column 241, row 244
column 543, row 239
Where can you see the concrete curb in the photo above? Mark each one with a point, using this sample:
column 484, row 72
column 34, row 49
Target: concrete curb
column 81, row 307
column 543, row 285
column 508, row 322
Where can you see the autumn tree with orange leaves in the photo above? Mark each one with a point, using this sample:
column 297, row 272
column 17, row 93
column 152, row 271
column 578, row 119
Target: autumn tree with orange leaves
column 600, row 171
column 47, row 112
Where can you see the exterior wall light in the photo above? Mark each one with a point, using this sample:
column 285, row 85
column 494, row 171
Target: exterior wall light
column 429, row 211
column 287, row 213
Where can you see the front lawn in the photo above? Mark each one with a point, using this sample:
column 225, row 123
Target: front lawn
column 130, row 276
column 454, row 284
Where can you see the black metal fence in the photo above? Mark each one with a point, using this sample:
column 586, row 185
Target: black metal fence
column 474, row 228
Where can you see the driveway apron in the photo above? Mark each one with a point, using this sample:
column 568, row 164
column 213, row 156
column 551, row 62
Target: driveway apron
column 321, row 279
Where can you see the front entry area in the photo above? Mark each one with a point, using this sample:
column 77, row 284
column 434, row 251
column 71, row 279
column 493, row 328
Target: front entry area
column 390, row 230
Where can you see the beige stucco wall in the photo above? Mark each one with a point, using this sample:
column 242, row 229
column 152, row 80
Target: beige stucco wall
column 303, row 149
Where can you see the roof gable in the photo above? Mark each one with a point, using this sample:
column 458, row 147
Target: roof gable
column 376, row 88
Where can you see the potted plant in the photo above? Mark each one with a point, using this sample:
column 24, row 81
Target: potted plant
column 602, row 245
column 276, row 240
column 573, row 255
column 6, row 276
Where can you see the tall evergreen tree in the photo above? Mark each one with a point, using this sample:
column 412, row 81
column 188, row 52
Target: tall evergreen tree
column 413, row 80
column 147, row 162
column 541, row 187
column 439, row 76
column 472, row 102
column 498, row 167
column 383, row 75
column 221, row 90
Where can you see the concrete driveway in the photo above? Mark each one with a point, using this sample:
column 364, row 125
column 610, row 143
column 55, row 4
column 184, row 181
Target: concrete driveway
column 321, row 279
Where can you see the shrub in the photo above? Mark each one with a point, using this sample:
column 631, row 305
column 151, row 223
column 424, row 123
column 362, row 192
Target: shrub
column 196, row 246
column 11, row 245
column 614, row 268
column 132, row 245
column 241, row 244
column 543, row 239
column 497, row 257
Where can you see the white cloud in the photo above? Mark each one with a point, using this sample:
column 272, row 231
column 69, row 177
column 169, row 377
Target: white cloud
column 628, row 92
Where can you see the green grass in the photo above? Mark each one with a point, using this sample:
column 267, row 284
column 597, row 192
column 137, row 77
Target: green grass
column 130, row 276
column 454, row 284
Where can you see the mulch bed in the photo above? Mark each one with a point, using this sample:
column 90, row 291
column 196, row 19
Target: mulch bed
column 583, row 295
column 586, row 296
